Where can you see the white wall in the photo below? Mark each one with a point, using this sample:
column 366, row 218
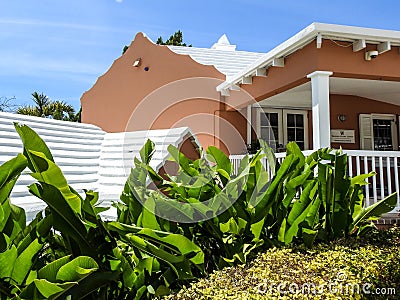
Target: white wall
column 89, row 157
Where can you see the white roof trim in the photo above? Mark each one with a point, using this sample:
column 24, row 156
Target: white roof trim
column 305, row 36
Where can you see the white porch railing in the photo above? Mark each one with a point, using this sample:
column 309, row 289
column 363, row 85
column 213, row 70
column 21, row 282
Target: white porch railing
column 385, row 164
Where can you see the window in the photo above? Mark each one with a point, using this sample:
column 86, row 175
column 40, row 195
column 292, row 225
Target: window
column 270, row 126
column 295, row 127
column 378, row 132
column 281, row 126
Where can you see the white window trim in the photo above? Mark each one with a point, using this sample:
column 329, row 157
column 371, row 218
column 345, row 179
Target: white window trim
column 391, row 117
column 270, row 110
column 305, row 118
column 282, row 119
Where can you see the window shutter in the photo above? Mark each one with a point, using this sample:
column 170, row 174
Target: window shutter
column 366, row 132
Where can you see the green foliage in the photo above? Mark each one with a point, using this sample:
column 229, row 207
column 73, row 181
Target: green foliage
column 71, row 251
column 329, row 204
column 230, row 216
column 201, row 201
column 331, row 271
column 124, row 49
column 175, row 40
column 201, row 218
column 46, row 108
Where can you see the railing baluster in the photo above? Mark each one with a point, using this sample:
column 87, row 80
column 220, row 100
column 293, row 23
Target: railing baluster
column 375, row 192
column 358, row 165
column 367, row 198
column 364, row 161
column 350, row 163
column 381, row 182
column 396, row 181
column 389, row 175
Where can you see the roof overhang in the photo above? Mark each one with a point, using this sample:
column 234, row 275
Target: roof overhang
column 300, row 96
column 359, row 36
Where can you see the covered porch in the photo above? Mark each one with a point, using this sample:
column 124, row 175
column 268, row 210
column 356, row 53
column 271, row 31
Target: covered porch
column 347, row 113
column 329, row 86
column 360, row 116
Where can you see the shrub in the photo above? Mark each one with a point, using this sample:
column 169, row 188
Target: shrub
column 350, row 268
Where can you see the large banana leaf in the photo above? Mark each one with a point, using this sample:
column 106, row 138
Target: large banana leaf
column 177, row 245
column 17, row 257
column 9, row 173
column 58, row 279
column 220, row 159
column 376, row 210
column 49, row 173
column 34, row 142
column 184, row 162
column 41, row 163
column 64, row 218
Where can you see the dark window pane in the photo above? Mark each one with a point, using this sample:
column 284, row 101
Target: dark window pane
column 264, row 133
column 270, row 134
column 273, row 119
column 382, row 134
column 299, row 120
column 275, row 132
column 291, row 134
column 299, row 134
column 290, row 120
column 301, row 145
column 263, row 119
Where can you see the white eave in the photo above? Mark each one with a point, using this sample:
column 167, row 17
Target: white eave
column 304, row 37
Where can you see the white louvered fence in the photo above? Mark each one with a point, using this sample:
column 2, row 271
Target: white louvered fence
column 89, row 157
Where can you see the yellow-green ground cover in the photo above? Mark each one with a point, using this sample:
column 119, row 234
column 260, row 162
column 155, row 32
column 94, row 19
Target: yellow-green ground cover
column 367, row 268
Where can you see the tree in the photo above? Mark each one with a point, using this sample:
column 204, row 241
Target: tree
column 6, row 105
column 124, row 49
column 60, row 110
column 47, row 108
column 175, row 40
column 42, row 102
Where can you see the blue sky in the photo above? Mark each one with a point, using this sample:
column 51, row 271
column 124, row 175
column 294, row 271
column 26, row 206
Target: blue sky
column 61, row 47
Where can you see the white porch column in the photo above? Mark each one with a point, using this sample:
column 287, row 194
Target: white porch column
column 320, row 109
column 249, row 125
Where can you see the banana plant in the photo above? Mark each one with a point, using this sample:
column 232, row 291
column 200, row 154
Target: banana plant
column 71, row 251
column 329, row 204
column 208, row 203
column 308, row 198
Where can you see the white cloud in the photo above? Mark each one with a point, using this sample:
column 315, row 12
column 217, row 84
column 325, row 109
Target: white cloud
column 26, row 64
column 74, row 26
column 119, row 1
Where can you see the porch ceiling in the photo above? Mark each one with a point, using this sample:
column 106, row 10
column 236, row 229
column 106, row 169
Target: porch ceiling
column 300, row 96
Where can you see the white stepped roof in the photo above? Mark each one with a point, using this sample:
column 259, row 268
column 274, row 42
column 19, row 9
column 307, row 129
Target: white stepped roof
column 222, row 55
